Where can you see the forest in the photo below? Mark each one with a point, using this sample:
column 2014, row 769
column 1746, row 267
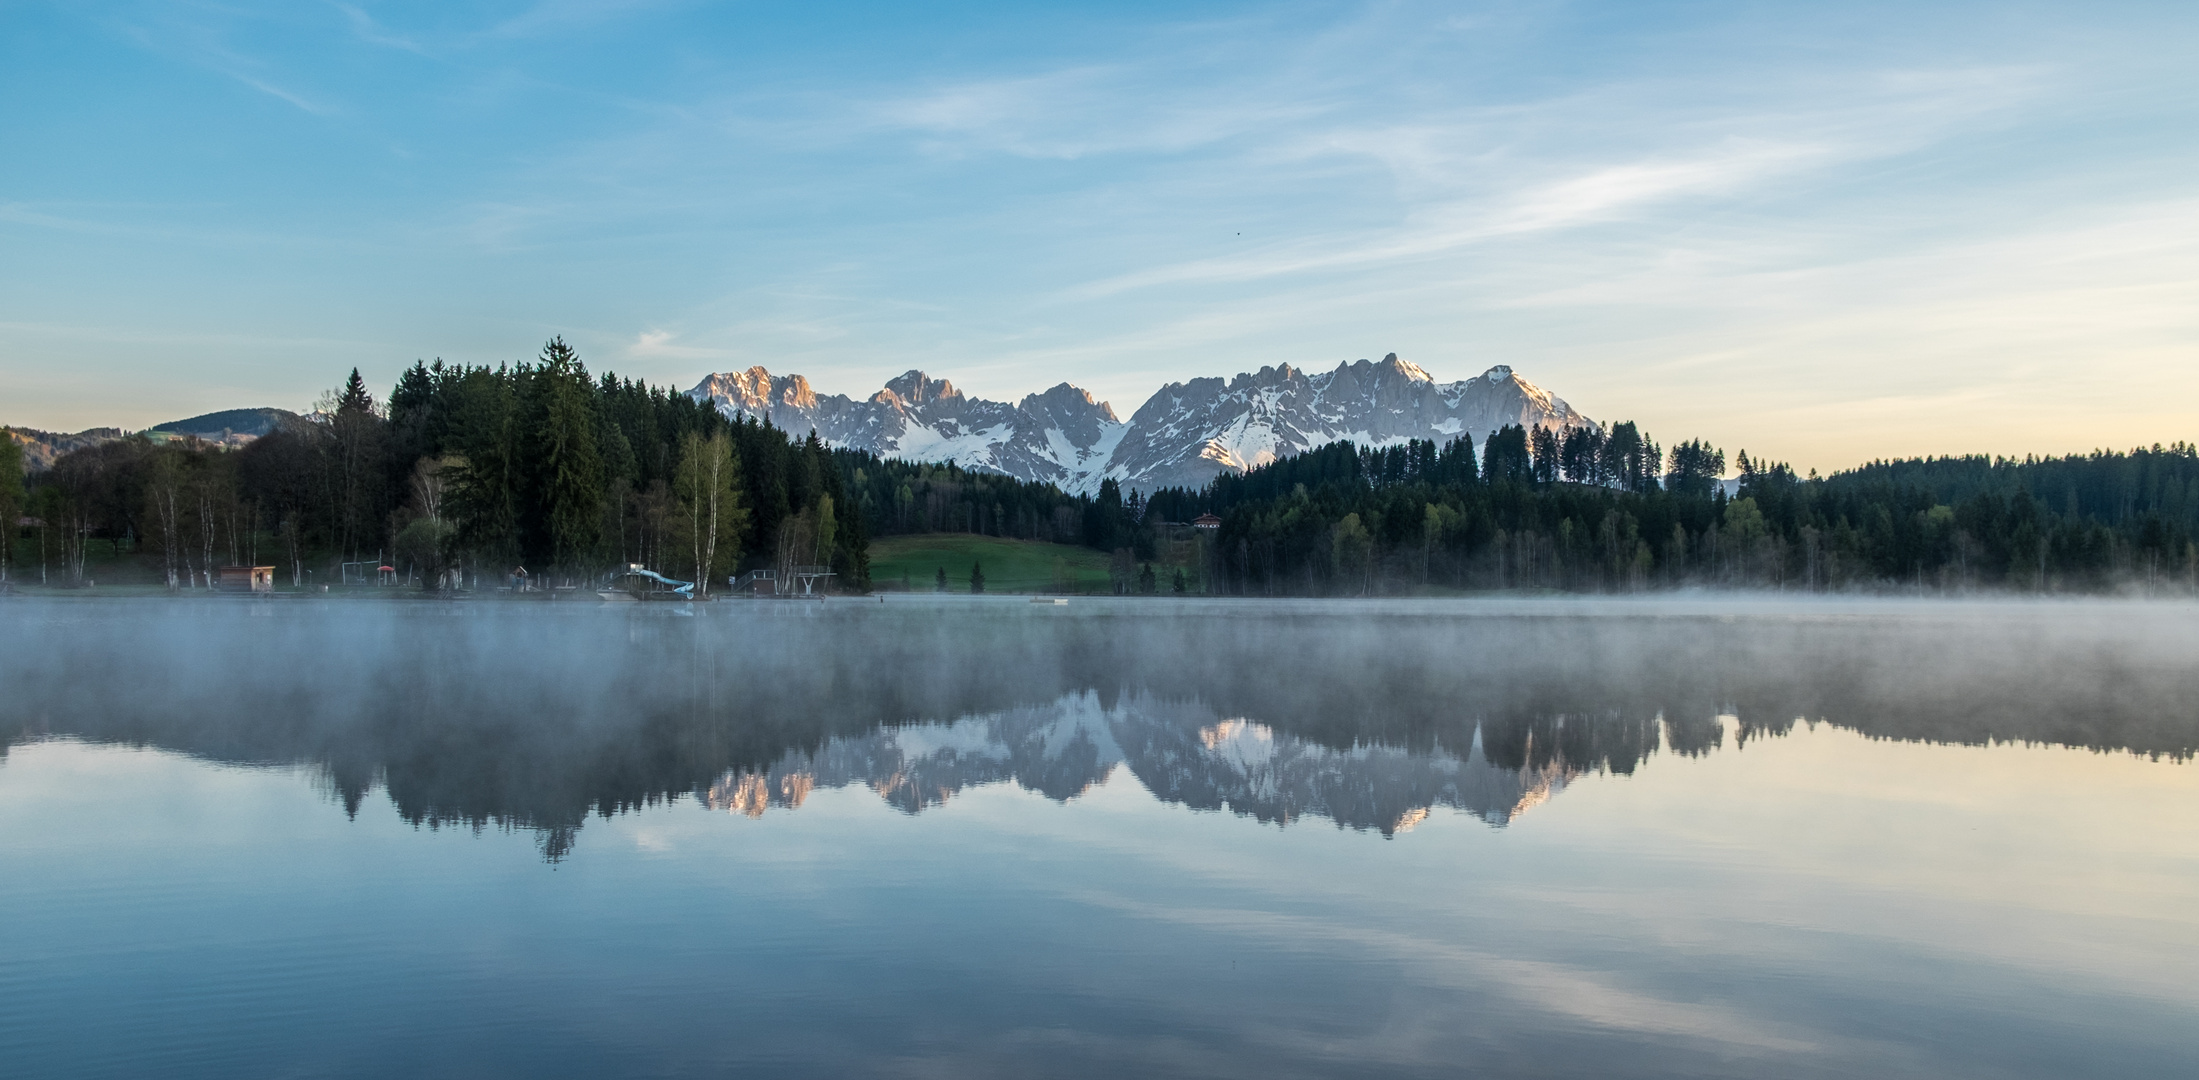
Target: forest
column 1603, row 510
column 466, row 476
column 473, row 476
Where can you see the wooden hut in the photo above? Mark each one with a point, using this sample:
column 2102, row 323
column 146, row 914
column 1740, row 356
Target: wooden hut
column 247, row 579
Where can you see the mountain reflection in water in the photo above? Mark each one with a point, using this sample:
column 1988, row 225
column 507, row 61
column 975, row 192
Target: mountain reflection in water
column 1182, row 752
column 1367, row 715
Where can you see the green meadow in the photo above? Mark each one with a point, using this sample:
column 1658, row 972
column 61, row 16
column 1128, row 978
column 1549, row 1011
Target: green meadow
column 1010, row 565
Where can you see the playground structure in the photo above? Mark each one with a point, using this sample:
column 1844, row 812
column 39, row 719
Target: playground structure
column 364, row 572
column 638, row 582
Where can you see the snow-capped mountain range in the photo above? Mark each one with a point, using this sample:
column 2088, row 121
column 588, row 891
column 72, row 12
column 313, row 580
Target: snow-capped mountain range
column 1184, row 435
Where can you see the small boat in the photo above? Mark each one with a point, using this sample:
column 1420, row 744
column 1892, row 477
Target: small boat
column 1059, row 601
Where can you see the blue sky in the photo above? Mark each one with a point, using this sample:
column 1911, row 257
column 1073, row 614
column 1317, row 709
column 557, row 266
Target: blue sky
column 1819, row 232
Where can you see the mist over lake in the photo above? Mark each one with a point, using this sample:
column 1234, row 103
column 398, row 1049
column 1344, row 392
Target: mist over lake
column 593, row 539
column 1686, row 836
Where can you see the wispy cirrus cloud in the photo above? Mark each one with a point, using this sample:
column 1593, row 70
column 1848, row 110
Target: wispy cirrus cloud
column 557, row 16
column 1618, row 189
column 1476, row 176
column 269, row 88
column 367, row 29
column 1082, row 112
column 201, row 37
column 662, row 344
column 1601, row 194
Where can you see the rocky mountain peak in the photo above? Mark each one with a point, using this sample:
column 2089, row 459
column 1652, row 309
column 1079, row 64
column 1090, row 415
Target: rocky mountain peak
column 1405, row 368
column 914, row 388
column 755, row 392
column 1065, row 400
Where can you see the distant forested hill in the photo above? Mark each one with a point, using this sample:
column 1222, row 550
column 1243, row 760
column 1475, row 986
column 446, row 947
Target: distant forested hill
column 234, row 427
column 215, row 425
column 40, row 448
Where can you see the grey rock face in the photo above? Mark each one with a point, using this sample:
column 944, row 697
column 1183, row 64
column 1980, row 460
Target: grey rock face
column 1184, row 435
column 1190, row 432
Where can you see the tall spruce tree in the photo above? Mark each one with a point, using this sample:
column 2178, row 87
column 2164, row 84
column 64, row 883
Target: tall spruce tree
column 1103, row 518
column 485, row 483
column 358, row 467
column 567, row 462
column 354, row 398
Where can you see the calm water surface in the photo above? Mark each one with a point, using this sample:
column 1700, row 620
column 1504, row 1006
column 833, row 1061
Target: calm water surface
column 938, row 837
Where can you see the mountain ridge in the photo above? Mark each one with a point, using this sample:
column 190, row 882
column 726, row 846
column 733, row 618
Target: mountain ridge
column 1184, row 435
column 227, row 427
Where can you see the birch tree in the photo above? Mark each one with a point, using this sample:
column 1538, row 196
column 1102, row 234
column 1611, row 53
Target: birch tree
column 710, row 502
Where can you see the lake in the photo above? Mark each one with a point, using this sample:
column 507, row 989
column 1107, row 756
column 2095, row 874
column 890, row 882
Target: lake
column 951, row 836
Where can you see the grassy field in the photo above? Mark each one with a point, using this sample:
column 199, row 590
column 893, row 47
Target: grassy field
column 1010, row 565
column 104, row 561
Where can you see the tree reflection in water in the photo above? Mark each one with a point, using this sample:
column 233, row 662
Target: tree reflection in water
column 1365, row 715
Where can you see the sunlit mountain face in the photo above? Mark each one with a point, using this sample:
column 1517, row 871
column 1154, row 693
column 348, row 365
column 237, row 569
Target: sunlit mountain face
column 1374, row 717
column 1185, row 434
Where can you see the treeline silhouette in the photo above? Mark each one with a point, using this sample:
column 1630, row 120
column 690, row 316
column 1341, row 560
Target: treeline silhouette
column 470, row 473
column 1599, row 510
column 466, row 473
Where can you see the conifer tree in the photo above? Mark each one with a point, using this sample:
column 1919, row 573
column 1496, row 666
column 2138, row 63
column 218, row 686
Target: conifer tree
column 1103, row 518
column 1542, row 443
column 1694, row 468
column 1580, row 456
column 354, row 397
column 567, row 463
column 357, row 465
column 1504, row 456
